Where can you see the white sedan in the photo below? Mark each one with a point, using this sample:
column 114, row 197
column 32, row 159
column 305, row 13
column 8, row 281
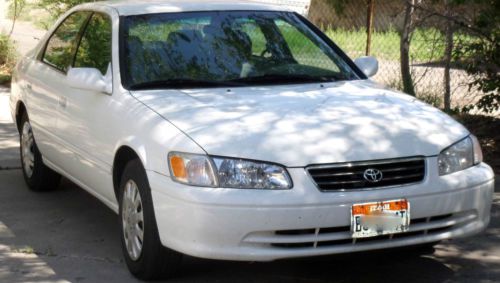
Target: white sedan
column 237, row 130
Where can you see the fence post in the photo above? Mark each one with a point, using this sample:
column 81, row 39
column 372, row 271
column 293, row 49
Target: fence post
column 369, row 25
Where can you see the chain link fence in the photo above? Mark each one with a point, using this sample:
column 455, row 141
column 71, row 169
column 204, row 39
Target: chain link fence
column 347, row 23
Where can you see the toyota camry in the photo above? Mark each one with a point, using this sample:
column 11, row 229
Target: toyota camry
column 238, row 130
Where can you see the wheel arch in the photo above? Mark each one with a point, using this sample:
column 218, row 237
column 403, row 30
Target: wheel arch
column 124, row 154
column 20, row 110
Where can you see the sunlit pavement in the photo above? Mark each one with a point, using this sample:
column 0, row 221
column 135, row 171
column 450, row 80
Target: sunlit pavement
column 68, row 236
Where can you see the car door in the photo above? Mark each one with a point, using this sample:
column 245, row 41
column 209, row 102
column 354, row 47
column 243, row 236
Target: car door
column 85, row 123
column 44, row 75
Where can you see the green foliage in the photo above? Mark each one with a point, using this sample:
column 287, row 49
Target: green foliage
column 481, row 57
column 58, row 7
column 95, row 47
column 61, row 47
column 30, row 11
column 7, row 58
column 147, row 32
column 6, row 51
column 17, row 7
column 55, row 8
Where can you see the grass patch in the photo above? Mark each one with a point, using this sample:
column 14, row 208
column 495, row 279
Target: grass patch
column 426, row 45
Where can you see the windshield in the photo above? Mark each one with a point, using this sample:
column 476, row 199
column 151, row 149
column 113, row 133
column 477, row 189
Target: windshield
column 225, row 48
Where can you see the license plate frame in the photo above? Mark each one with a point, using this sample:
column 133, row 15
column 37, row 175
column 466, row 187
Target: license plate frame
column 378, row 218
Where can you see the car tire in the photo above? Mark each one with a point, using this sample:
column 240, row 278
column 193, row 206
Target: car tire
column 37, row 175
column 147, row 259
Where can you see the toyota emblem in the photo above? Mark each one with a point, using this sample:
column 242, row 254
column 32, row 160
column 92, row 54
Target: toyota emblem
column 373, row 175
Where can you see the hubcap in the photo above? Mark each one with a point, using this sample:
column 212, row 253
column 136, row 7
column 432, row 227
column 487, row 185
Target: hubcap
column 132, row 220
column 27, row 149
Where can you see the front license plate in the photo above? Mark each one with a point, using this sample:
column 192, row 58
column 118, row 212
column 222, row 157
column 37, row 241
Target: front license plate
column 380, row 218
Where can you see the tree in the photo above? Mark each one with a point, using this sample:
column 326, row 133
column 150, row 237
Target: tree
column 17, row 7
column 406, row 33
column 481, row 56
column 58, row 7
column 477, row 49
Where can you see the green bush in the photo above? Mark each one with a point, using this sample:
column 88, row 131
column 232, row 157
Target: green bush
column 481, row 58
column 21, row 10
column 7, row 58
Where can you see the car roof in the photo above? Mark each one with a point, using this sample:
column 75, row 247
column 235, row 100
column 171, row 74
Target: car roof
column 126, row 7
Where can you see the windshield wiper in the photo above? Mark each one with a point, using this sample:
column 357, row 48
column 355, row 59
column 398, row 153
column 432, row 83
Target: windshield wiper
column 286, row 78
column 181, row 83
column 266, row 79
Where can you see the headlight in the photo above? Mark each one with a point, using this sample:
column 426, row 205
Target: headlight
column 201, row 170
column 246, row 174
column 460, row 156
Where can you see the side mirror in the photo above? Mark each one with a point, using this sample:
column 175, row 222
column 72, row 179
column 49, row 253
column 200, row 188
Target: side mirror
column 90, row 79
column 367, row 64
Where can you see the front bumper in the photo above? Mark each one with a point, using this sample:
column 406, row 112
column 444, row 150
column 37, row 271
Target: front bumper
column 267, row 225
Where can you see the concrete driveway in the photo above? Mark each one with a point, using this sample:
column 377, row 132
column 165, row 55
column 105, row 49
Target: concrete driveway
column 68, row 236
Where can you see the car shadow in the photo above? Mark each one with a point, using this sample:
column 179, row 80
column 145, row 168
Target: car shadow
column 361, row 267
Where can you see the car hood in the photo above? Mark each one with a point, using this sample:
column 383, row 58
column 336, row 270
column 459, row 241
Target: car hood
column 298, row 125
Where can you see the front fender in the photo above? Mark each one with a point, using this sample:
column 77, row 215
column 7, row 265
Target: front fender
column 153, row 142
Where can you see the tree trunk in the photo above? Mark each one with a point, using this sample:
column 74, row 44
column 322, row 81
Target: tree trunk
column 14, row 17
column 447, row 66
column 405, row 48
column 369, row 26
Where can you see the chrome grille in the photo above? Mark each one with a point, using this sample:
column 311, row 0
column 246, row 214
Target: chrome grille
column 350, row 176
